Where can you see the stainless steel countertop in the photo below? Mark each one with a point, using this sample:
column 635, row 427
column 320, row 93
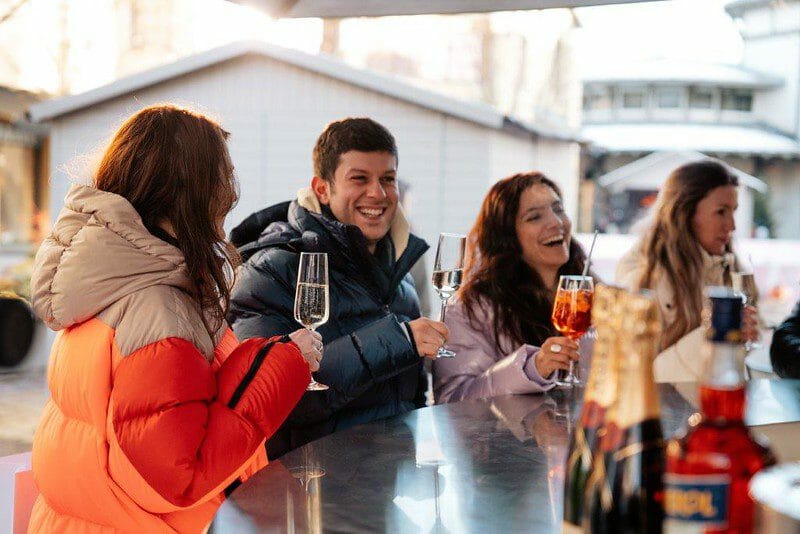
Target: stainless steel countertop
column 492, row 465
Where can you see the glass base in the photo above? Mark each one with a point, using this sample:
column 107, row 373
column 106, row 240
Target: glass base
column 316, row 386
column 305, row 474
column 444, row 353
column 567, row 380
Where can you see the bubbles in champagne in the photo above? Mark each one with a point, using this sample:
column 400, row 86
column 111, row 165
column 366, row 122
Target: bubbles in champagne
column 311, row 304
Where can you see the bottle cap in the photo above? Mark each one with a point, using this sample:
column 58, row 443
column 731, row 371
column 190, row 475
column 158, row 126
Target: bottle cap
column 724, row 315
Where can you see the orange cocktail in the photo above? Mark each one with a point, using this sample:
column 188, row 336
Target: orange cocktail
column 572, row 312
column 572, row 316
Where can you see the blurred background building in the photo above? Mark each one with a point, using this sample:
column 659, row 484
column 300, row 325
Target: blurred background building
column 747, row 114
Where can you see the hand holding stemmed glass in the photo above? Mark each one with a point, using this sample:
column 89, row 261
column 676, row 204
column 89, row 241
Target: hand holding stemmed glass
column 448, row 269
column 744, row 283
column 312, row 298
column 572, row 316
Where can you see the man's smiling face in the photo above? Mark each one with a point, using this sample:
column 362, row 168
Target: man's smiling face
column 363, row 192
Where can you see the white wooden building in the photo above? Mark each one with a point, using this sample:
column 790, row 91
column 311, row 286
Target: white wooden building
column 276, row 101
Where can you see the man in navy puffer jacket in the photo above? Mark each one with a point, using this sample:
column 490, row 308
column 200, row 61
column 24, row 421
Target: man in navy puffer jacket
column 374, row 337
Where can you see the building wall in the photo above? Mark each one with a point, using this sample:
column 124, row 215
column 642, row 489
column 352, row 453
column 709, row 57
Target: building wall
column 783, row 178
column 778, row 55
column 17, row 177
column 275, row 113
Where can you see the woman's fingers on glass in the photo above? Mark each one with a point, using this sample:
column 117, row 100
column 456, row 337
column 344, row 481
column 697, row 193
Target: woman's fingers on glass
column 442, row 329
column 427, row 349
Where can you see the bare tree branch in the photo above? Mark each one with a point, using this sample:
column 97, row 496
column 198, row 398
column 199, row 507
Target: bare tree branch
column 12, row 10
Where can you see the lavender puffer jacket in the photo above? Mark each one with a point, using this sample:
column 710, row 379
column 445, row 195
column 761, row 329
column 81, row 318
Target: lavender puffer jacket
column 479, row 370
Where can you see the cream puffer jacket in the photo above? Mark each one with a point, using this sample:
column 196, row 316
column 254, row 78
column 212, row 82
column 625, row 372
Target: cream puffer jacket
column 682, row 361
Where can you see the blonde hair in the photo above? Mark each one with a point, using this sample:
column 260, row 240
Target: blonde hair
column 671, row 248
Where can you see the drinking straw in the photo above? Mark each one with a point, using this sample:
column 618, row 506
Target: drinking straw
column 589, row 257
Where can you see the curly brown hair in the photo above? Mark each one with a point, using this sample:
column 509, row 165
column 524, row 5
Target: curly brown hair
column 497, row 274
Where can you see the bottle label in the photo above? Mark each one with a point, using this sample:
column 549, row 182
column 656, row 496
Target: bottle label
column 696, row 498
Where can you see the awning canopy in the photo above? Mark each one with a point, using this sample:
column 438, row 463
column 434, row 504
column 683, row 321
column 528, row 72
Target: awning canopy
column 709, row 138
column 377, row 8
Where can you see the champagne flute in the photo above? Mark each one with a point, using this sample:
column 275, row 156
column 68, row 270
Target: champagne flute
column 312, row 297
column 572, row 316
column 447, row 272
column 744, row 283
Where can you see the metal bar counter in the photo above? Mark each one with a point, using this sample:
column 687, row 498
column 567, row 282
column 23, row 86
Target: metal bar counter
column 492, row 465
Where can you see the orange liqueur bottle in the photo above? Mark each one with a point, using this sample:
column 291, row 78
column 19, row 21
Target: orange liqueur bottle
column 709, row 468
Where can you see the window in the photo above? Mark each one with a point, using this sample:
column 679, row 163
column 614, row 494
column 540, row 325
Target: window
column 668, row 98
column 596, row 98
column 633, row 99
column 700, row 98
column 737, row 99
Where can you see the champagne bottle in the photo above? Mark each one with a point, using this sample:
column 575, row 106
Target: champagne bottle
column 626, row 484
column 600, row 391
column 710, row 465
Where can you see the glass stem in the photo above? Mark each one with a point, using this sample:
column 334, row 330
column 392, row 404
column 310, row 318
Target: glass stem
column 444, row 308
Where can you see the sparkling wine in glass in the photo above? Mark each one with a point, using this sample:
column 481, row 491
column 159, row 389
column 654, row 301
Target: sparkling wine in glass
column 572, row 316
column 447, row 272
column 744, row 283
column 312, row 297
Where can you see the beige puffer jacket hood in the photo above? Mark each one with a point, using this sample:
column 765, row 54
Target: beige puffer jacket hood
column 98, row 253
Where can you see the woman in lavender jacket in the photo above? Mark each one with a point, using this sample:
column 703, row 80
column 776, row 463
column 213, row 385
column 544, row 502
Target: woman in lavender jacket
column 500, row 324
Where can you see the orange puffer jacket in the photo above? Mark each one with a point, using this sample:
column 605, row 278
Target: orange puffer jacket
column 149, row 419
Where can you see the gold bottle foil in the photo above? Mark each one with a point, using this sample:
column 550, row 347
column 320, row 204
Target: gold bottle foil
column 601, row 386
column 637, row 345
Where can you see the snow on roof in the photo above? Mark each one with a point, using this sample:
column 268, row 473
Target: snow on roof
column 711, row 138
column 649, row 172
column 679, row 72
column 474, row 112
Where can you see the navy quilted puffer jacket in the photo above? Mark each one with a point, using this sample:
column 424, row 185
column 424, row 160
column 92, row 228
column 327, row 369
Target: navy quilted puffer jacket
column 368, row 361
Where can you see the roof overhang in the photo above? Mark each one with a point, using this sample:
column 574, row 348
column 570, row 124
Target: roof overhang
column 378, row 8
column 477, row 113
column 649, row 172
column 682, row 73
column 736, row 8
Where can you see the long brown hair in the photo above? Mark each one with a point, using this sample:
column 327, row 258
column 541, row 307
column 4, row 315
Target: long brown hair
column 667, row 250
column 497, row 274
column 172, row 165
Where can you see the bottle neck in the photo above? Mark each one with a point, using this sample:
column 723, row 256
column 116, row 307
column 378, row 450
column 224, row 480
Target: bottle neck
column 637, row 396
column 722, row 389
column 602, row 382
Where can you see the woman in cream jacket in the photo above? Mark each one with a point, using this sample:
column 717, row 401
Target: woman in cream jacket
column 687, row 248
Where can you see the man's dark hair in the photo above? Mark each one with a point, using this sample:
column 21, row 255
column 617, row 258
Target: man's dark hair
column 361, row 134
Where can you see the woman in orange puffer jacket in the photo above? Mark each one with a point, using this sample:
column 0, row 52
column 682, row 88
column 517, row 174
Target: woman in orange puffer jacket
column 155, row 408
